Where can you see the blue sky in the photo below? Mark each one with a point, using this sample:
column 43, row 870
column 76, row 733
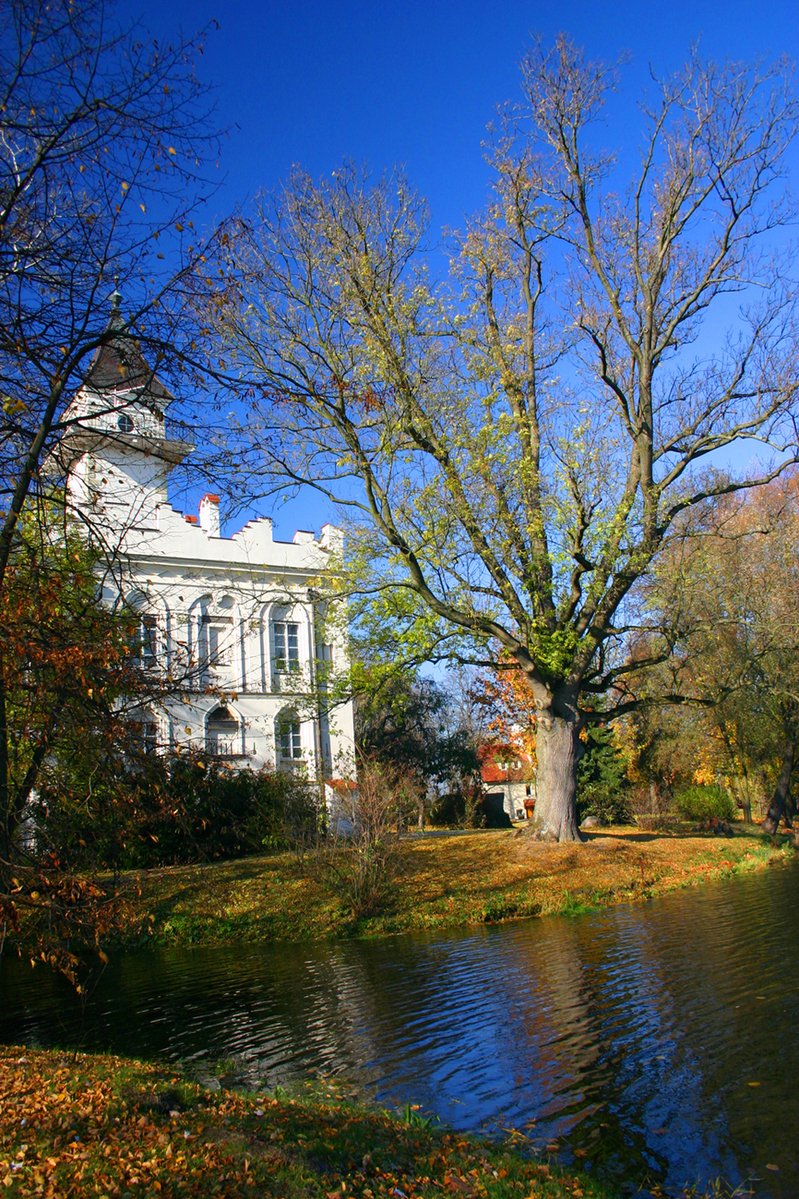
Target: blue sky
column 415, row 82
column 315, row 82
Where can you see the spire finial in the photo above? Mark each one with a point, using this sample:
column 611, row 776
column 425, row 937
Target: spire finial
column 115, row 297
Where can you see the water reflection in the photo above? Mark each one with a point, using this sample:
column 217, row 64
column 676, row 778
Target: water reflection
column 633, row 1035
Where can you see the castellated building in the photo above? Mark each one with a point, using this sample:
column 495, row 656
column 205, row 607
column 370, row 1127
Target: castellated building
column 234, row 629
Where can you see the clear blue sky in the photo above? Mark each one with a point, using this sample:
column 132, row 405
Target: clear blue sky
column 415, row 82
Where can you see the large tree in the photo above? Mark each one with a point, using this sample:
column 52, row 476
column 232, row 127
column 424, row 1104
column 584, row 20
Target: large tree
column 102, row 135
column 515, row 443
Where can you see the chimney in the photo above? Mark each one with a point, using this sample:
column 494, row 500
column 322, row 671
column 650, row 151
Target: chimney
column 209, row 515
column 332, row 539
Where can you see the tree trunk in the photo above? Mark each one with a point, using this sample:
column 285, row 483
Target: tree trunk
column 557, row 751
column 6, row 828
column 780, row 805
column 744, row 794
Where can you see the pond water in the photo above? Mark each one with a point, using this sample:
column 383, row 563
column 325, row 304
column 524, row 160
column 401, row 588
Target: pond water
column 656, row 1043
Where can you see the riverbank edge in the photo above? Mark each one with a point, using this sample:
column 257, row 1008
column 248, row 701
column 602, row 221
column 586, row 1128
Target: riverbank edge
column 283, row 897
column 96, row 1125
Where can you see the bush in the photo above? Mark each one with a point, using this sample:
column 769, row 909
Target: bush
column 610, row 805
column 362, row 875
column 703, row 802
column 448, row 811
column 360, row 865
column 487, row 811
column 181, row 809
column 655, row 823
column 212, row 812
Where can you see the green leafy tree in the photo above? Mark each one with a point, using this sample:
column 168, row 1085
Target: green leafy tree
column 515, row 444
column 406, row 723
column 603, row 787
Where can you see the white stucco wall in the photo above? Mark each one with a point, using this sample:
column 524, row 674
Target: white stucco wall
column 202, row 589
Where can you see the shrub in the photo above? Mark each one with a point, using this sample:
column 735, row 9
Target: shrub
column 449, row 811
column 487, row 811
column 360, row 864
column 655, row 823
column 362, row 875
column 180, row 809
column 704, row 802
column 610, row 805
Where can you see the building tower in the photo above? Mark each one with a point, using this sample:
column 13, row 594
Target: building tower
column 236, row 629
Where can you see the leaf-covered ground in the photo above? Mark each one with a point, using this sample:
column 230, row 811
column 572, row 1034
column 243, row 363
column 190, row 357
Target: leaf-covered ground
column 74, row 1127
column 442, row 881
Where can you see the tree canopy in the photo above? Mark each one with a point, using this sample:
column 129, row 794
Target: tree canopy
column 515, row 443
column 729, row 592
column 103, row 136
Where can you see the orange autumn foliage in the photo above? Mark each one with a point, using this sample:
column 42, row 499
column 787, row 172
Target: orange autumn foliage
column 505, row 696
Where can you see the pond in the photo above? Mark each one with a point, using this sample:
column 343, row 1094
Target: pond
column 655, row 1043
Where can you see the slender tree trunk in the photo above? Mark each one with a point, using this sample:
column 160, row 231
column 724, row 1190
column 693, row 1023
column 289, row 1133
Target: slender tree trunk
column 780, row 805
column 744, row 793
column 557, row 751
column 741, row 787
column 5, row 787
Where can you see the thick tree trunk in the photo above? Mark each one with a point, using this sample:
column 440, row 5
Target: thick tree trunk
column 557, row 751
column 781, row 805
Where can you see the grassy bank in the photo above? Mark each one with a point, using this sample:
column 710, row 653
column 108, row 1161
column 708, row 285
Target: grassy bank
column 100, row 1126
column 441, row 881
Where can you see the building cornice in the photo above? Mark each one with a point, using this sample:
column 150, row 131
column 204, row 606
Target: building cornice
column 194, row 565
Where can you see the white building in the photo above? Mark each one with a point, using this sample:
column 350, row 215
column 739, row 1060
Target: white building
column 234, row 624
column 508, row 777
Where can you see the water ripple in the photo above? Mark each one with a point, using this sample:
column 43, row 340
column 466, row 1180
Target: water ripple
column 633, row 1035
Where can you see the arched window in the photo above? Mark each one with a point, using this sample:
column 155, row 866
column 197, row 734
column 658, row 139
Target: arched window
column 288, row 737
column 222, row 733
column 148, row 640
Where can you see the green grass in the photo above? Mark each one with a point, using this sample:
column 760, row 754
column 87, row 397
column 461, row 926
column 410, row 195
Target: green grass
column 441, row 882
